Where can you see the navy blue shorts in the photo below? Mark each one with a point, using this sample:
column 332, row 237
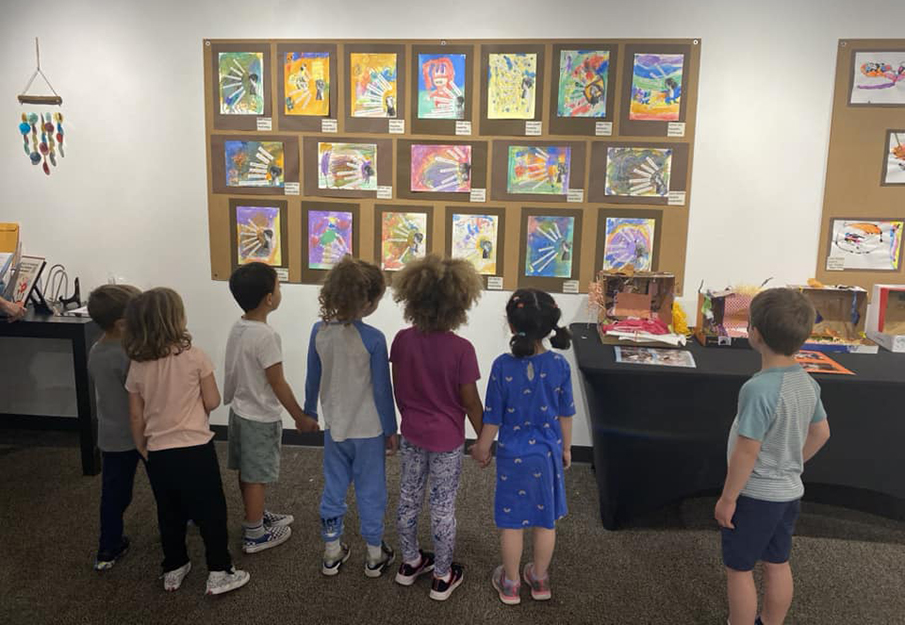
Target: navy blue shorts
column 763, row 531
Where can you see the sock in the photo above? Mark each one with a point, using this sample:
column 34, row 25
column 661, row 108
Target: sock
column 446, row 577
column 414, row 563
column 255, row 529
column 374, row 553
column 333, row 549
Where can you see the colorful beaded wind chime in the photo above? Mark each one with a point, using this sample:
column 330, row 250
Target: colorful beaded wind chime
column 49, row 127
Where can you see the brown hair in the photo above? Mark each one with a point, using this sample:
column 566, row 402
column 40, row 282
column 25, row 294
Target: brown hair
column 437, row 292
column 155, row 326
column 784, row 317
column 349, row 287
column 107, row 303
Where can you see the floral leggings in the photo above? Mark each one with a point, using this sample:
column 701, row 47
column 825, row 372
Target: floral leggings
column 444, row 469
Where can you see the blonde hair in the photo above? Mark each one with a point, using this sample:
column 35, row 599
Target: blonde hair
column 437, row 292
column 155, row 326
column 349, row 287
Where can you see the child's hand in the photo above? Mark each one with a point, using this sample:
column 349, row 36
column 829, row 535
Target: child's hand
column 481, row 454
column 392, row 444
column 143, row 452
column 723, row 513
column 566, row 458
column 307, row 424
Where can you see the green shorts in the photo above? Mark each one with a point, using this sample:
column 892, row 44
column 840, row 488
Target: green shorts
column 254, row 449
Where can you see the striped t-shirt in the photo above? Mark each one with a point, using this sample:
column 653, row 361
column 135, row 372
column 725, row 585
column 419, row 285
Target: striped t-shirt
column 776, row 407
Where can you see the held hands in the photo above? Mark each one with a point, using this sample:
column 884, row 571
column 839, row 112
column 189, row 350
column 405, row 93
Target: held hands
column 566, row 458
column 307, row 424
column 392, row 443
column 481, row 454
column 723, row 513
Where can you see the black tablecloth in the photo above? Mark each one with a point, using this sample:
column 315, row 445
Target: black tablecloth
column 660, row 433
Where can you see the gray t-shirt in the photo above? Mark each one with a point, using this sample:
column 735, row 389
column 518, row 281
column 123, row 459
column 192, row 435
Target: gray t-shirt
column 776, row 407
column 109, row 366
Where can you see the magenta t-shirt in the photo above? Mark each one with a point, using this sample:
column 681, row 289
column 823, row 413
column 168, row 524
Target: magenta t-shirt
column 428, row 370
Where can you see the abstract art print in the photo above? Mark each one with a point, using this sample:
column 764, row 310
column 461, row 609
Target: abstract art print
column 441, row 168
column 329, row 238
column 347, row 166
column 474, row 238
column 583, row 78
column 258, row 234
column 656, row 87
column 628, row 241
column 638, row 172
column 241, row 83
column 894, row 170
column 307, row 83
column 441, row 86
column 403, row 238
column 549, row 246
column 538, row 169
column 879, row 78
column 511, row 85
column 870, row 244
column 373, row 82
column 254, row 163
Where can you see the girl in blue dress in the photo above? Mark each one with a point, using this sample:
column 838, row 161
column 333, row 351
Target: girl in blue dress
column 529, row 403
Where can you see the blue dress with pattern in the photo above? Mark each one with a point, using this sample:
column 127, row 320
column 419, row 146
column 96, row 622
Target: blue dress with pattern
column 525, row 398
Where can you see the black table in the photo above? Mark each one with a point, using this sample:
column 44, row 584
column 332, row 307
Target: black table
column 660, row 433
column 81, row 332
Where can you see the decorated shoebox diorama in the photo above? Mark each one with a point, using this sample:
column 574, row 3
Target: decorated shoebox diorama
column 841, row 319
column 635, row 308
column 722, row 318
column 886, row 316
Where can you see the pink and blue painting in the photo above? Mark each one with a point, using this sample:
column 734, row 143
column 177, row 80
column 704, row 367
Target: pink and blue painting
column 441, row 168
column 329, row 238
column 441, row 86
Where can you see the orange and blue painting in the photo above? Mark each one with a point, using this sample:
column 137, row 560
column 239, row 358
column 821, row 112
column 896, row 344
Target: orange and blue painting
column 373, row 83
column 254, row 163
column 656, row 87
column 403, row 238
column 307, row 83
column 542, row 170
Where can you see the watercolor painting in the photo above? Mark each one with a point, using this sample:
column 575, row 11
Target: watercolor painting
column 628, row 241
column 347, row 166
column 550, row 243
column 895, row 158
column 474, row 238
column 441, row 168
column 254, row 163
column 638, row 172
column 656, row 87
column 403, row 238
column 258, row 233
column 583, row 79
column 441, row 86
column 329, row 238
column 543, row 170
column 373, row 82
column 241, row 83
column 867, row 243
column 879, row 78
column 307, row 83
column 511, row 85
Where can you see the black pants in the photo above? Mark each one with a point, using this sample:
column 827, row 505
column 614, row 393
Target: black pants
column 116, row 495
column 186, row 484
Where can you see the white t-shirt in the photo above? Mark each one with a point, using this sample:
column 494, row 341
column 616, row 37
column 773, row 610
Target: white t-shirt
column 252, row 347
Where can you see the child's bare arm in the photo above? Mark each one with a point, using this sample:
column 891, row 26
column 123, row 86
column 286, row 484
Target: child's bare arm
column 818, row 435
column 565, row 423
column 210, row 394
column 744, row 456
column 471, row 401
column 284, row 393
column 137, row 421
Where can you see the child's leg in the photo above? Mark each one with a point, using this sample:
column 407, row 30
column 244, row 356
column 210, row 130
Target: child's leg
column 413, row 479
column 253, row 498
column 116, row 495
column 164, row 474
column 338, row 458
column 369, row 471
column 742, row 596
column 511, row 546
column 205, row 503
column 778, row 589
column 445, row 469
column 544, row 543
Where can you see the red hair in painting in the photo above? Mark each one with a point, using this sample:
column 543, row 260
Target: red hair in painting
column 438, row 70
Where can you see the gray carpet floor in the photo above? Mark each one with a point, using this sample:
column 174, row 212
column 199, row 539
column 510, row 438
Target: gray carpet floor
column 849, row 567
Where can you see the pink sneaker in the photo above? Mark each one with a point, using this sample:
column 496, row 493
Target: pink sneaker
column 540, row 588
column 508, row 591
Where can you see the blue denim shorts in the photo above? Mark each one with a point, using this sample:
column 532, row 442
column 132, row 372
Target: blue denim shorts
column 763, row 531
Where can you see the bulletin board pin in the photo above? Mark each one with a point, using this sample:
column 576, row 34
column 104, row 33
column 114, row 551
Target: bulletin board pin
column 44, row 129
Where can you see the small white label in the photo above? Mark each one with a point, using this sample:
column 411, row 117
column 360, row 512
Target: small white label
column 291, row 188
column 265, row 124
column 478, row 195
column 397, row 126
column 835, row 263
column 603, row 129
column 676, row 198
column 494, row 283
column 570, row 286
column 282, row 274
column 575, row 195
column 384, row 193
column 463, row 128
column 675, row 129
column 533, row 129
column 329, row 125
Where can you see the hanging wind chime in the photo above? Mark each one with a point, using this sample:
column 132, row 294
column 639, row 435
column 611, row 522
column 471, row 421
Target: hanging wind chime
column 42, row 133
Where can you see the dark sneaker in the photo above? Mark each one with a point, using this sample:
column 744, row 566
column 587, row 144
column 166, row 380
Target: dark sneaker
column 331, row 566
column 106, row 559
column 273, row 536
column 272, row 519
column 442, row 589
column 508, row 591
column 408, row 574
column 540, row 588
column 387, row 557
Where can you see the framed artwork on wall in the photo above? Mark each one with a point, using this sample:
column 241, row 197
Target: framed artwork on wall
column 478, row 236
column 402, row 233
column 440, row 170
column 628, row 237
column 331, row 231
column 307, row 89
column 866, row 244
column 259, row 232
column 442, row 86
column 241, row 89
column 375, row 86
column 894, row 158
column 253, row 164
column 583, row 89
column 550, row 247
column 878, row 78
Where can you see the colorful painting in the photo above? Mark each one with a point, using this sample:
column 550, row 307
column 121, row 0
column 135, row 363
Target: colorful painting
column 541, row 170
column 254, row 163
column 307, row 83
column 258, row 234
column 867, row 244
column 329, row 238
column 373, row 84
column 241, row 83
column 403, row 238
column 474, row 238
column 511, row 85
column 347, row 166
column 628, row 241
column 879, row 78
column 549, row 250
column 583, row 79
column 629, row 354
column 441, row 168
column 441, row 86
column 895, row 159
column 638, row 172
column 656, row 87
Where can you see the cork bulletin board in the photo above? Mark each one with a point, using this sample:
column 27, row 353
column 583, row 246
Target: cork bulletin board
column 317, row 148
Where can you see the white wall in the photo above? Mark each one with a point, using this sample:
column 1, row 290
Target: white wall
column 129, row 199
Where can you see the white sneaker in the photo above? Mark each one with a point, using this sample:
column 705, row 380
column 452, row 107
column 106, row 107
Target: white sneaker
column 272, row 519
column 172, row 580
column 219, row 582
column 276, row 535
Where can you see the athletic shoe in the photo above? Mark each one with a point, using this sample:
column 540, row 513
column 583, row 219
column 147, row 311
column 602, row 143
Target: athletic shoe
column 271, row 537
column 441, row 589
column 219, row 582
column 106, row 559
column 172, row 580
column 408, row 574
column 540, row 588
column 272, row 519
column 331, row 566
column 507, row 590
column 387, row 557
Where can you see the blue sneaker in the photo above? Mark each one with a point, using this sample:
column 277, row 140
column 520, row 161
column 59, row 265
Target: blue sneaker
column 271, row 537
column 106, row 559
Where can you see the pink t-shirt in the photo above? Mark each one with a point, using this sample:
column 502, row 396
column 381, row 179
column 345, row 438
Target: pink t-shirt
column 428, row 371
column 171, row 389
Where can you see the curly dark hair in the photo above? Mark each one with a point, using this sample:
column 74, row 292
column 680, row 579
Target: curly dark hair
column 533, row 315
column 437, row 292
column 155, row 326
column 349, row 287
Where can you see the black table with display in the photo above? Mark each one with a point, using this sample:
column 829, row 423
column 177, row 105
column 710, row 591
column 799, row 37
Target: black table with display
column 659, row 433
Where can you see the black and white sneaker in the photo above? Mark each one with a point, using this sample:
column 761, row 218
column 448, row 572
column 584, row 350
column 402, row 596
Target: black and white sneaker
column 387, row 557
column 408, row 574
column 442, row 589
column 331, row 566
column 106, row 559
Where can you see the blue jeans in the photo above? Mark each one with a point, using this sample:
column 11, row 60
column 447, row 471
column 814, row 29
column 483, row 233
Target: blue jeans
column 118, row 476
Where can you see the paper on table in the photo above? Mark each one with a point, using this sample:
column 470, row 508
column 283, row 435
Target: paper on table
column 646, row 337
